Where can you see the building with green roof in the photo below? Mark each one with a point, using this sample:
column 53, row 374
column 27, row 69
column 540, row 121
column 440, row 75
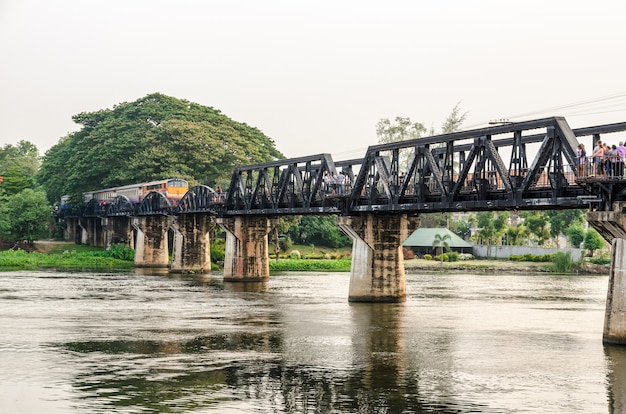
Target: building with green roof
column 421, row 241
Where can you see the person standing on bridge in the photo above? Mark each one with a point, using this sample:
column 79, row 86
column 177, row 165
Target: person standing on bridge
column 621, row 152
column 581, row 157
column 339, row 180
column 598, row 158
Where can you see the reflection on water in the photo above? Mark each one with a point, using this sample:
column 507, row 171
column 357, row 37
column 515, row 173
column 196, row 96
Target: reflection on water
column 139, row 342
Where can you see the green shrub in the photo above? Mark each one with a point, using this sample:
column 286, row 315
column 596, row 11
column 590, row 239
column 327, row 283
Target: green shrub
column 428, row 256
column 531, row 258
column 562, row 262
column 453, row 256
column 600, row 260
column 442, row 257
column 299, row 265
column 121, row 252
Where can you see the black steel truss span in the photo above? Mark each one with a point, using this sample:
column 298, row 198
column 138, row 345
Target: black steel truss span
column 467, row 171
column 306, row 185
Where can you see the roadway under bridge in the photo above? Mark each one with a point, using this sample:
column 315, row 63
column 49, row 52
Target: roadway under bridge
column 378, row 200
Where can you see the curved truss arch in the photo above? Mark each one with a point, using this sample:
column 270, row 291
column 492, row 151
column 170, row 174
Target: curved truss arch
column 199, row 198
column 155, row 203
column 121, row 206
column 95, row 208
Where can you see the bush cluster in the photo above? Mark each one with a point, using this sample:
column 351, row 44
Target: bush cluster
column 428, row 256
column 531, row 257
column 600, row 260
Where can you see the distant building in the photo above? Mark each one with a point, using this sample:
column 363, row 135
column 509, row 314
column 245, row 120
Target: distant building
column 421, row 241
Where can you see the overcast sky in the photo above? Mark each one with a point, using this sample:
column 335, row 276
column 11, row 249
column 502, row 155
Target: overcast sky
column 315, row 76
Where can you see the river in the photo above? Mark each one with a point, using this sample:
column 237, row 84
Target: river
column 77, row 342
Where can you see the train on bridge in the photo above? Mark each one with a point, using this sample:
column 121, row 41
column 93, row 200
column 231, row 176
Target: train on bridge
column 172, row 189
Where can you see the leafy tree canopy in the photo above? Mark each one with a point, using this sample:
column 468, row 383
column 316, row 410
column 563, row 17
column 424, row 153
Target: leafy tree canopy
column 18, row 167
column 155, row 137
column 25, row 216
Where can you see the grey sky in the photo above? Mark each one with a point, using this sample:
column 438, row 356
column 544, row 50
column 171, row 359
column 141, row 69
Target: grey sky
column 316, row 76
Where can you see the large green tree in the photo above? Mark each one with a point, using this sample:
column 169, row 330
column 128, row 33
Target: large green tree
column 25, row 216
column 18, row 166
column 152, row 138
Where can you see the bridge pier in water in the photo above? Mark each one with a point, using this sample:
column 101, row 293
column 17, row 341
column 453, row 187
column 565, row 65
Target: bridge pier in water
column 247, row 251
column 612, row 226
column 377, row 270
column 192, row 243
column 151, row 248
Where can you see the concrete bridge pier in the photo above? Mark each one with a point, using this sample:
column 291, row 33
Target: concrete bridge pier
column 72, row 230
column 377, row 271
column 191, row 252
column 92, row 232
column 612, row 226
column 117, row 230
column 246, row 256
column 151, row 248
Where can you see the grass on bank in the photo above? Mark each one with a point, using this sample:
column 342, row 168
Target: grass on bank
column 69, row 256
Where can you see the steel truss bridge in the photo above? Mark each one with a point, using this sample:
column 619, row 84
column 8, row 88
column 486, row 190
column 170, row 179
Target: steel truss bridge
column 518, row 166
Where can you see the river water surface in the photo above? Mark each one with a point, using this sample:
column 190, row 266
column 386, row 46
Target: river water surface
column 148, row 343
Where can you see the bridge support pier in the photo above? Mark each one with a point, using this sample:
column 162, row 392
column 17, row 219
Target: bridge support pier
column 117, row 230
column 612, row 226
column 246, row 256
column 92, row 232
column 151, row 249
column 191, row 252
column 377, row 271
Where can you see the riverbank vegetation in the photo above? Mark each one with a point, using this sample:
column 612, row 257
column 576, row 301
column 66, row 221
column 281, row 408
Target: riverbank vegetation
column 117, row 258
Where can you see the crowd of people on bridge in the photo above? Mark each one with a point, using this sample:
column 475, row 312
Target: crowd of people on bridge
column 336, row 184
column 605, row 160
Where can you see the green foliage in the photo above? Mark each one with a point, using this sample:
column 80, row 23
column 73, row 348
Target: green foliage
column 86, row 260
column 428, row 256
column 218, row 250
column 531, row 257
column 152, row 138
column 576, row 234
column 460, row 228
column 440, row 242
column 18, row 167
column 562, row 262
column 453, row 256
column 121, row 252
column 25, row 216
column 593, row 241
column 319, row 230
column 537, row 222
column 561, row 220
column 300, row 265
column 443, row 257
column 600, row 260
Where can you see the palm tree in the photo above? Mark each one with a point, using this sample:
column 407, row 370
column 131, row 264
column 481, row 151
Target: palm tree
column 440, row 242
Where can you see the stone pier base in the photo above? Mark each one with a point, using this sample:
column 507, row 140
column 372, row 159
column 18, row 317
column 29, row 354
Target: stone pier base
column 117, row 230
column 191, row 252
column 377, row 271
column 151, row 249
column 246, row 256
column 612, row 226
